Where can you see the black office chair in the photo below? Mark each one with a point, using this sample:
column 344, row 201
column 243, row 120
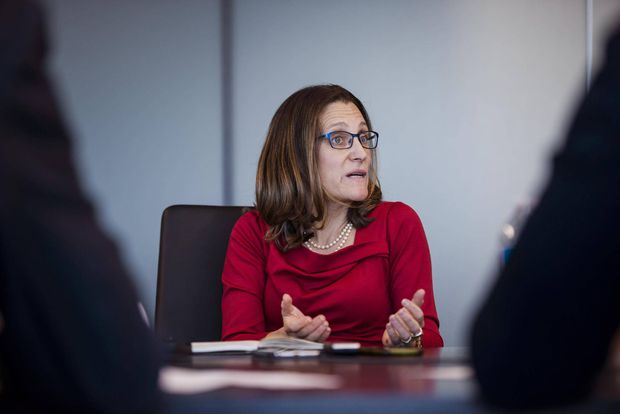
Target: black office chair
column 192, row 248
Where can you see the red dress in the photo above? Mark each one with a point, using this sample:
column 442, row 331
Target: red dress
column 356, row 288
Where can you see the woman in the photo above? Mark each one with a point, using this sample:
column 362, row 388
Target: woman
column 321, row 256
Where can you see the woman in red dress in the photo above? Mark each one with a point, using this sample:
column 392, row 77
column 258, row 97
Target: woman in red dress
column 321, row 256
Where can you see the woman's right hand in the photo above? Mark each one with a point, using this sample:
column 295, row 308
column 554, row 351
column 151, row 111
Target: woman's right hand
column 298, row 325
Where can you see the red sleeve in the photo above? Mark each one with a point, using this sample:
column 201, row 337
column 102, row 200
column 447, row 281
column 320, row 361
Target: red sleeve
column 410, row 267
column 243, row 280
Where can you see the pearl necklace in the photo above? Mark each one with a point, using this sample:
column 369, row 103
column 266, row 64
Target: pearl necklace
column 340, row 240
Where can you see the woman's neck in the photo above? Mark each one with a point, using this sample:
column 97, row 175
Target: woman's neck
column 335, row 220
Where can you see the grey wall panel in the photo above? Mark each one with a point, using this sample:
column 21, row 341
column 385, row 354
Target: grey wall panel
column 605, row 16
column 140, row 81
column 469, row 98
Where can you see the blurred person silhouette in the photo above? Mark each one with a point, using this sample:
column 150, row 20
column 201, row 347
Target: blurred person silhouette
column 543, row 334
column 71, row 337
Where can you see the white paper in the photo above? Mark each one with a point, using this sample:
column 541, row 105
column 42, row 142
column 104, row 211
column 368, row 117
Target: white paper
column 442, row 373
column 191, row 381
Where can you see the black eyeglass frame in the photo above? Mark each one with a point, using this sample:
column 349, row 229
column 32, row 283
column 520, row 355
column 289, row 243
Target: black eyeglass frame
column 374, row 138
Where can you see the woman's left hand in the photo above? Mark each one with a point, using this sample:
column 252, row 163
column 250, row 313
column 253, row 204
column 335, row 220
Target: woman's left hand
column 406, row 323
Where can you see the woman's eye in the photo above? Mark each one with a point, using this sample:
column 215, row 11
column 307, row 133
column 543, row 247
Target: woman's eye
column 338, row 139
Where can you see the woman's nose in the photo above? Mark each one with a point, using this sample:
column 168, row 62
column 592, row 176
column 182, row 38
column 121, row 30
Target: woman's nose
column 357, row 152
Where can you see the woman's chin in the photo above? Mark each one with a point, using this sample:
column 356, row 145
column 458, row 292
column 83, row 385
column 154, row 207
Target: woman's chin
column 350, row 197
column 358, row 196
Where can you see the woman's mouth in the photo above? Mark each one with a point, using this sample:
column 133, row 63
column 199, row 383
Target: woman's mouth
column 357, row 174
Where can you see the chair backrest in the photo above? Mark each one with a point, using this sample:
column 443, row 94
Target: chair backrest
column 192, row 248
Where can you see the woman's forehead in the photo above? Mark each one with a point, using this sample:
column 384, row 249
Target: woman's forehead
column 344, row 114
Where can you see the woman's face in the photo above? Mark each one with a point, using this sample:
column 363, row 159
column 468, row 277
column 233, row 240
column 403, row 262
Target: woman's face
column 344, row 172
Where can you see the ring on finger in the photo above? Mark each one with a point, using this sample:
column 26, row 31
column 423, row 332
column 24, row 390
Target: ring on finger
column 412, row 336
column 407, row 341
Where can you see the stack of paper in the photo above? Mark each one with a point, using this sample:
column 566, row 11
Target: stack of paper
column 282, row 346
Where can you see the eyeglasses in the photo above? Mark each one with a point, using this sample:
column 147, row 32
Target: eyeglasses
column 344, row 139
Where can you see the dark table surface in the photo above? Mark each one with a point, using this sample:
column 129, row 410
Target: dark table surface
column 439, row 381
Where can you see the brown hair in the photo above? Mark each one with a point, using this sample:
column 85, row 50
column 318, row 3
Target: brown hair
column 289, row 195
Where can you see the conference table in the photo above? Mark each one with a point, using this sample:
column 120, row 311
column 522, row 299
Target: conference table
column 439, row 381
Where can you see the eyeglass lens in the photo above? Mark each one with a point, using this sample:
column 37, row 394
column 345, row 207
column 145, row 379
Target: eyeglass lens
column 344, row 139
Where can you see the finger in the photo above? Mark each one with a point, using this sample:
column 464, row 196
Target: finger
column 318, row 332
column 394, row 337
column 292, row 324
column 409, row 321
column 418, row 297
column 325, row 335
column 415, row 310
column 288, row 309
column 292, row 318
column 312, row 326
column 401, row 329
column 287, row 305
column 314, row 323
column 385, row 338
